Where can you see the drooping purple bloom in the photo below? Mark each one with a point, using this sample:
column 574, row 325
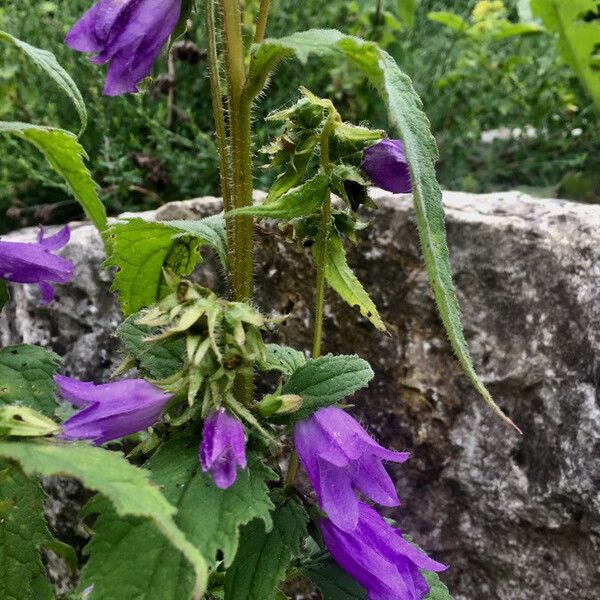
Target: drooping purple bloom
column 340, row 457
column 110, row 410
column 127, row 34
column 223, row 448
column 377, row 556
column 386, row 165
column 22, row 262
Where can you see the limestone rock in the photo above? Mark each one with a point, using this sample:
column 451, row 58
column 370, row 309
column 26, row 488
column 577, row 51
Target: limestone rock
column 516, row 517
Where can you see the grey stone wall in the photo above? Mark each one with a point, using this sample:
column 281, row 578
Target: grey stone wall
column 516, row 517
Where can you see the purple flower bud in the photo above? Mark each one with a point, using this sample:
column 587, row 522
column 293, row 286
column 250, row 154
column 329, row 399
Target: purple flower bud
column 127, row 34
column 110, row 410
column 385, row 164
column 223, row 448
column 379, row 558
column 34, row 262
column 339, row 456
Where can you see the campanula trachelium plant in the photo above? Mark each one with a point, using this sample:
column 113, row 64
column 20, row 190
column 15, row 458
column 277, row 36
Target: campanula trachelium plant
column 212, row 504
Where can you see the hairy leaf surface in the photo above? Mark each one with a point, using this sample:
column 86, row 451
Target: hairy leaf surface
column 263, row 556
column 157, row 360
column 128, row 488
column 282, row 358
column 66, row 156
column 407, row 117
column 299, row 202
column 209, row 517
column 47, row 62
column 326, row 380
column 26, row 377
column 22, row 532
column 141, row 250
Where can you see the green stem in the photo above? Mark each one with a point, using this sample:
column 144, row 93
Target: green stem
column 241, row 149
column 292, row 469
column 219, row 118
column 320, row 286
column 261, row 23
column 240, row 134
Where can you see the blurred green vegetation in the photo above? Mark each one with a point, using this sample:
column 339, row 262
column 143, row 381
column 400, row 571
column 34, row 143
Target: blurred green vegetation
column 506, row 111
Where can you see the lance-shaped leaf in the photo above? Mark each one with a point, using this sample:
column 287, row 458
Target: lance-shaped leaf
column 264, row 556
column 407, row 117
column 20, row 421
column 342, row 279
column 326, row 380
column 209, row 517
column 26, row 374
column 300, row 202
column 128, row 488
column 23, row 531
column 579, row 37
column 66, row 156
column 48, row 63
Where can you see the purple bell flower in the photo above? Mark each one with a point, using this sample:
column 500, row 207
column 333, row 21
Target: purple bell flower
column 377, row 556
column 340, row 457
column 127, row 34
column 110, row 410
column 34, row 262
column 385, row 164
column 223, row 448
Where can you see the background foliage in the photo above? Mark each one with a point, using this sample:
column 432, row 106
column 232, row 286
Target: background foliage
column 507, row 112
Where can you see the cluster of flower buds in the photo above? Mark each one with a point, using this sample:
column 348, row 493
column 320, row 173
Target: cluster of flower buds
column 222, row 340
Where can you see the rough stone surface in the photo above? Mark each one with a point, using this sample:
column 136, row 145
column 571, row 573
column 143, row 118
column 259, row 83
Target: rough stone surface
column 517, row 518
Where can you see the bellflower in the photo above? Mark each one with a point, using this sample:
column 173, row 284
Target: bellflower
column 377, row 556
column 223, row 448
column 385, row 164
column 110, row 410
column 127, row 34
column 22, row 262
column 340, row 457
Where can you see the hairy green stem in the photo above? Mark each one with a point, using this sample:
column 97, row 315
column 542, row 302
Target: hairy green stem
column 241, row 149
column 261, row 23
column 219, row 118
column 240, row 134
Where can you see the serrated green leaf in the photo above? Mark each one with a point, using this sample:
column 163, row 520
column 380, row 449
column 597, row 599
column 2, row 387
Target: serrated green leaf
column 127, row 487
column 23, row 531
column 209, row 517
column 263, row 557
column 48, row 63
column 141, row 250
column 210, row 230
column 341, row 278
column 157, row 360
column 282, row 358
column 26, row 377
column 406, row 115
column 4, row 295
column 579, row 37
column 66, row 156
column 333, row 582
column 302, row 201
column 326, row 380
